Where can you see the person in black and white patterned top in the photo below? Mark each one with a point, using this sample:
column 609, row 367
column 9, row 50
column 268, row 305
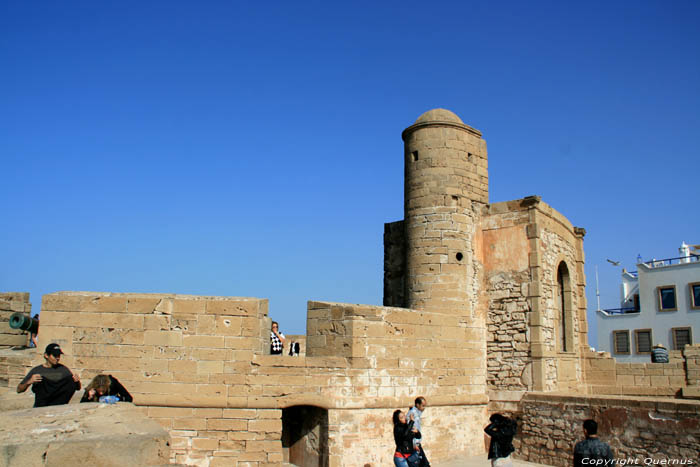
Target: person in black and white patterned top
column 276, row 339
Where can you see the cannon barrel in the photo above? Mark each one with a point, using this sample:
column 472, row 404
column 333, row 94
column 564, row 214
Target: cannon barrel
column 24, row 322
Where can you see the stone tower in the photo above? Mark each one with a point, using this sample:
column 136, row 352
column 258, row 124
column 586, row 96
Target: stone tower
column 446, row 186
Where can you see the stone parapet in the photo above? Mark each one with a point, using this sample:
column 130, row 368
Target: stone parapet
column 199, row 366
column 13, row 302
column 635, row 428
column 605, row 375
column 82, row 435
column 692, row 362
column 14, row 365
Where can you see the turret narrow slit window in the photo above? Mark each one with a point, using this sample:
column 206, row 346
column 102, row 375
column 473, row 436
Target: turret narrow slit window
column 564, row 302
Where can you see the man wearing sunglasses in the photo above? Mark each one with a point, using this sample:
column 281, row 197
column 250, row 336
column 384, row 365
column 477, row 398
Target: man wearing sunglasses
column 51, row 382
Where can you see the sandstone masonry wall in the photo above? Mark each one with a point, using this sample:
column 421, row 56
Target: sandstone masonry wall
column 557, row 243
column 605, row 375
column 13, row 302
column 692, row 367
column 13, row 366
column 200, row 367
column 504, row 253
column 635, row 428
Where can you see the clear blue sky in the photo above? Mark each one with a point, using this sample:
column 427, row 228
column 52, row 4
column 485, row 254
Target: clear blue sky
column 254, row 149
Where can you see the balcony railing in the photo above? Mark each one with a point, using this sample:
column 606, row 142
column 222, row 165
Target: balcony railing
column 621, row 311
column 657, row 263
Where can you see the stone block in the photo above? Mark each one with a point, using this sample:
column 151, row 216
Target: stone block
column 203, row 341
column 189, row 306
column 228, row 326
column 164, row 338
column 244, row 307
column 156, row 322
column 659, row 381
column 139, row 305
column 625, row 380
column 82, row 435
column 206, row 444
column 227, row 424
column 691, row 392
column 189, row 424
column 244, row 414
column 206, row 324
column 642, row 381
column 265, row 425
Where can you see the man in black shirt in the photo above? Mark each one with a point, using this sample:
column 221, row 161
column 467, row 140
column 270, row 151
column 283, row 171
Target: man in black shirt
column 52, row 383
column 591, row 449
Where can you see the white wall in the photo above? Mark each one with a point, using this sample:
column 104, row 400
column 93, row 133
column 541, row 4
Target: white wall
column 660, row 322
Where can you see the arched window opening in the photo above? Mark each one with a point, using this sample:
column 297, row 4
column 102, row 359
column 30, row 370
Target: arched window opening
column 564, row 307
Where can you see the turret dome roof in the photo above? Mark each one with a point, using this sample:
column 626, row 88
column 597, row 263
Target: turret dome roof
column 439, row 115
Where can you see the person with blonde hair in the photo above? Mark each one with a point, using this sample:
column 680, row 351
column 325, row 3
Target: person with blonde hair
column 105, row 385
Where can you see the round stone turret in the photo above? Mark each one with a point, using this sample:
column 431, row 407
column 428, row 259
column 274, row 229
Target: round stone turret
column 445, row 173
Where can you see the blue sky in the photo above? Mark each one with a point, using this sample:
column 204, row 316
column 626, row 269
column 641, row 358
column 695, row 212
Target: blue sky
column 233, row 148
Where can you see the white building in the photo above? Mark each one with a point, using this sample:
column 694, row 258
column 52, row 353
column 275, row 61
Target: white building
column 660, row 303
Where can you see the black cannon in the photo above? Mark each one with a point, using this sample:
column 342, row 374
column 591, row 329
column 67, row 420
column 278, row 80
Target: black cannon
column 24, row 322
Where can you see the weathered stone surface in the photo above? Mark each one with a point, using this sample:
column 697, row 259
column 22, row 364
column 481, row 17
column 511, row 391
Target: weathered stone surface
column 82, row 435
column 635, row 428
column 13, row 302
column 11, row 400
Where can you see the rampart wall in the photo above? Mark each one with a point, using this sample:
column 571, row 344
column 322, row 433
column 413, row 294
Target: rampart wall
column 199, row 366
column 679, row 377
column 659, row 429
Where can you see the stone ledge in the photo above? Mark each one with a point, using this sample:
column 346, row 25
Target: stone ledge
column 614, row 400
column 691, row 392
column 82, row 435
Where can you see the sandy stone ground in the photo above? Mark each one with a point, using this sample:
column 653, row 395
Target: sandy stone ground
column 481, row 461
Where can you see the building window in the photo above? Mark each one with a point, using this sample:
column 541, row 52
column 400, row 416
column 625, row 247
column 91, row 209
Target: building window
column 667, row 298
column 642, row 338
column 621, row 341
column 695, row 295
column 681, row 337
column 564, row 301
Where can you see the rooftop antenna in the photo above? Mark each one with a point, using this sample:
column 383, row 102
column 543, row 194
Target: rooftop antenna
column 597, row 292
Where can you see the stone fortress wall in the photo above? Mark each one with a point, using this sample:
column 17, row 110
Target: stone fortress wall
column 647, row 431
column 484, row 310
column 199, row 366
column 13, row 302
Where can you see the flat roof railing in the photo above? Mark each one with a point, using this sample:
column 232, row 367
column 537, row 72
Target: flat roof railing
column 620, row 311
column 656, row 263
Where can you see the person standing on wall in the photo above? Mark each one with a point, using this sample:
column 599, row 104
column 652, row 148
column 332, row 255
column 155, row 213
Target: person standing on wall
column 415, row 414
column 501, row 430
column 591, row 449
column 276, row 339
column 51, row 382
column 659, row 354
